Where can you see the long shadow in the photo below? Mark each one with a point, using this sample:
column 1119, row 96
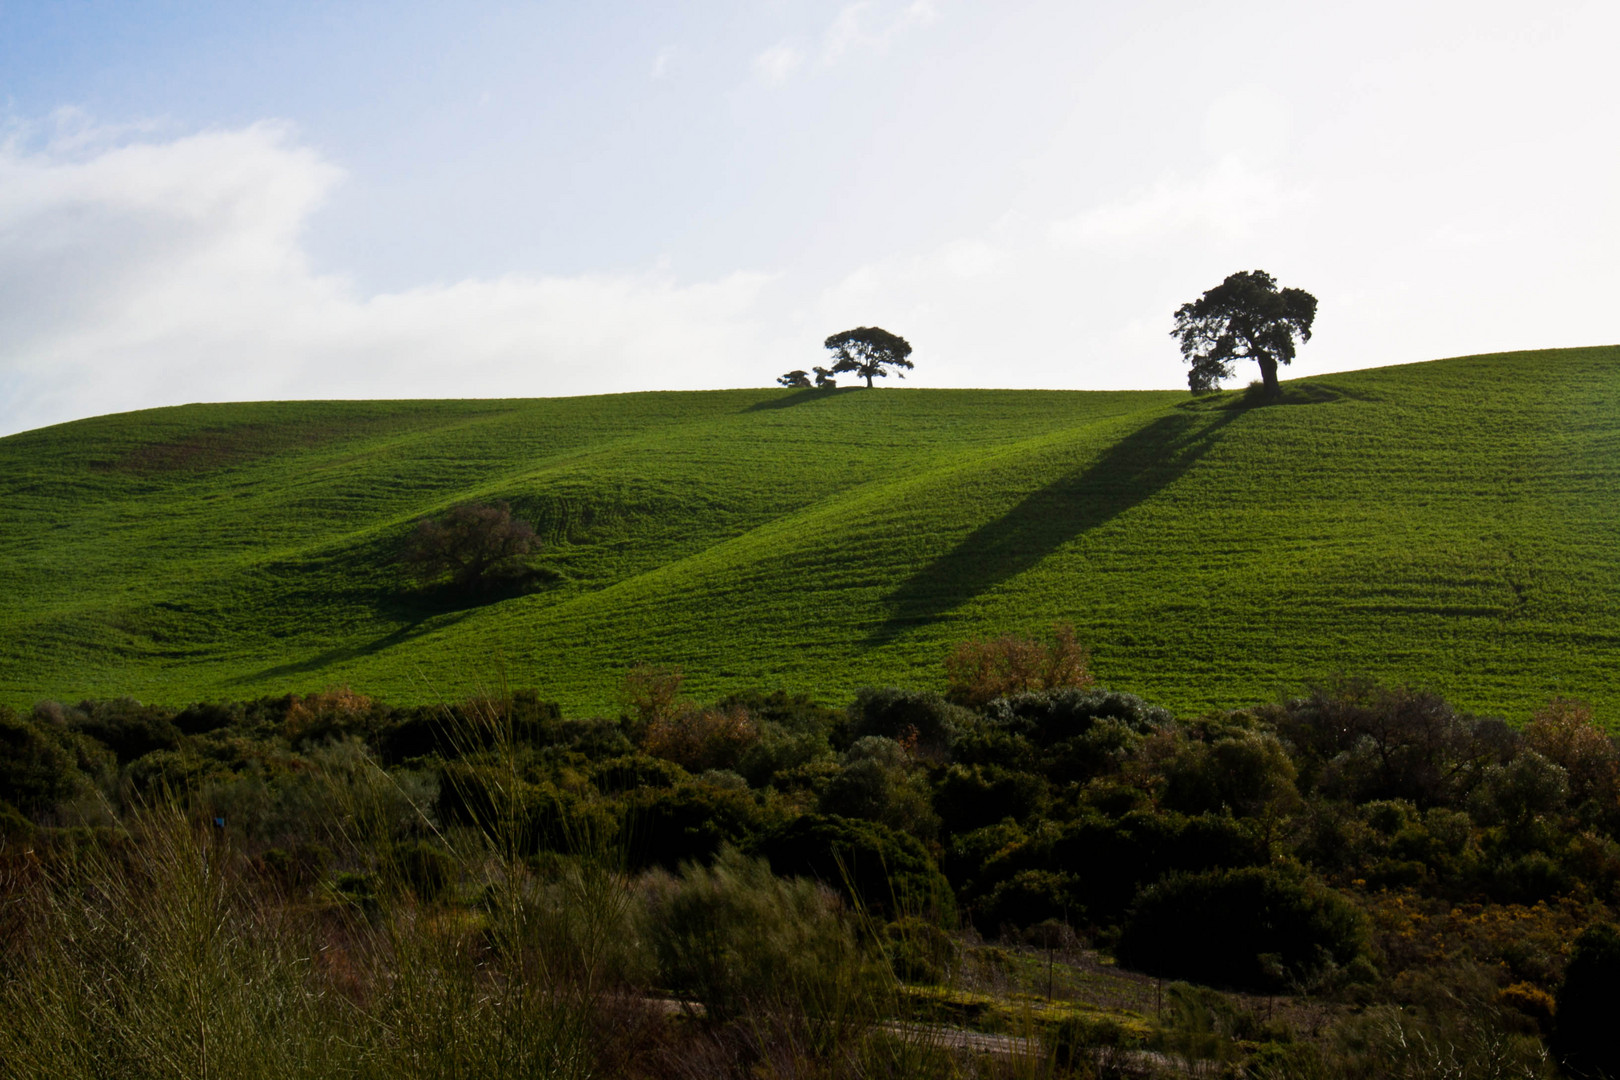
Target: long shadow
column 802, row 397
column 350, row 652
column 1130, row 472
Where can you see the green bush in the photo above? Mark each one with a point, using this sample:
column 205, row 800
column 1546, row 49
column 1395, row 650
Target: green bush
column 905, row 716
column 422, row 868
column 36, row 770
column 877, row 783
column 1255, row 928
column 968, row 797
column 884, row 872
column 690, row 823
column 126, row 727
column 744, row 942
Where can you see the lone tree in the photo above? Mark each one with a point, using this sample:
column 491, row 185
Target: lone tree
column 794, row 379
column 1245, row 317
column 866, row 349
column 474, row 544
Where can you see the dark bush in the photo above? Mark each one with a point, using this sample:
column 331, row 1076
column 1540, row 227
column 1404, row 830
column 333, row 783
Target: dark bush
column 687, row 824
column 1113, row 859
column 925, row 721
column 968, row 797
column 877, row 782
column 126, row 727
column 884, row 872
column 1054, row 716
column 203, row 717
column 1227, row 769
column 1584, row 1039
column 1255, row 928
column 474, row 545
column 36, row 770
column 1027, row 898
column 1360, row 741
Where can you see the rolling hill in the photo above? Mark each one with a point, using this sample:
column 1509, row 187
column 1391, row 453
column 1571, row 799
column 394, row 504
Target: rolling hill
column 1454, row 524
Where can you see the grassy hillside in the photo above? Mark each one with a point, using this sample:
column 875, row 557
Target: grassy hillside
column 1453, row 523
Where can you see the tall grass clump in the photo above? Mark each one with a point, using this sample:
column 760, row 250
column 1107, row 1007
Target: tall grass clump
column 777, row 956
column 148, row 953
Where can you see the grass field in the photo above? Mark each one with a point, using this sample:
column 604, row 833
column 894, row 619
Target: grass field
column 1452, row 524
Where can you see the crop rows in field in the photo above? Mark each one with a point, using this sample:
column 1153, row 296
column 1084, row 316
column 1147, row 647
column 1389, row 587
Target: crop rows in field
column 1449, row 523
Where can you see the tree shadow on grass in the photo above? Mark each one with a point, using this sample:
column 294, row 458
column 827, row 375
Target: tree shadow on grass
column 1129, row 472
column 801, row 397
column 418, row 611
column 398, row 636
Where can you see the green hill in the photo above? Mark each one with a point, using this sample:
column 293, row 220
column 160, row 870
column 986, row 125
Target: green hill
column 1454, row 524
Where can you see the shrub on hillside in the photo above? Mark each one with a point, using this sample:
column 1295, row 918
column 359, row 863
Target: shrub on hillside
column 126, row 727
column 1229, row 768
column 924, row 722
column 1109, row 860
column 1255, row 928
column 686, row 824
column 883, row 872
column 36, row 770
column 968, row 797
column 877, row 782
column 1360, row 741
column 980, row 670
column 744, row 942
column 473, row 546
column 701, row 739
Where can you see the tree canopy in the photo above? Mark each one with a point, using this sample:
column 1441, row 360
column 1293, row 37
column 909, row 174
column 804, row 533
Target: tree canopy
column 866, row 350
column 1245, row 317
column 474, row 544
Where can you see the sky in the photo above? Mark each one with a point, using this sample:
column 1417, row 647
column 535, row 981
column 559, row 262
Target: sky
column 247, row 201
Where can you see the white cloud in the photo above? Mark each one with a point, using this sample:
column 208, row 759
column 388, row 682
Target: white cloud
column 776, row 63
column 661, row 62
column 1228, row 201
column 154, row 273
column 869, row 25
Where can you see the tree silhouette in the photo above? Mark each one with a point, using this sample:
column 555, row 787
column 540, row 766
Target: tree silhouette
column 866, row 350
column 1245, row 317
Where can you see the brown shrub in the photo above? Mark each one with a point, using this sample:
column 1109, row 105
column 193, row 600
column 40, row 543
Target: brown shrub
column 1565, row 732
column 699, row 739
column 652, row 692
column 979, row 671
column 333, row 711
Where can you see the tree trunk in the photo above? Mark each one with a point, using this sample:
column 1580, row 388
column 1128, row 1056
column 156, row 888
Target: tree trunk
column 1268, row 376
column 869, row 382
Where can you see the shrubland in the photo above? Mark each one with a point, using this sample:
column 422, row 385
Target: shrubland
column 1358, row 879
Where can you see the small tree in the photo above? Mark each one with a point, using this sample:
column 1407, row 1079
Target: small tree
column 866, row 350
column 1245, row 317
column 979, row 671
column 474, row 545
column 795, row 379
column 824, row 379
